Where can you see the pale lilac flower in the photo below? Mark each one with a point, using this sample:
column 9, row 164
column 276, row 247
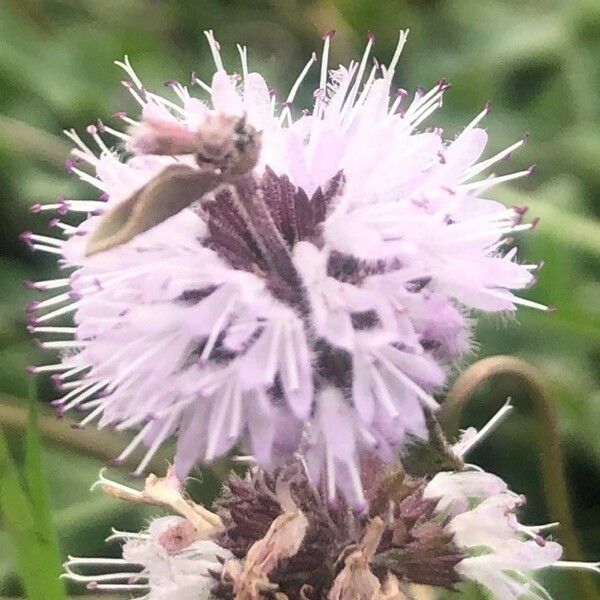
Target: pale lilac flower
column 315, row 305
column 500, row 552
column 480, row 513
column 165, row 562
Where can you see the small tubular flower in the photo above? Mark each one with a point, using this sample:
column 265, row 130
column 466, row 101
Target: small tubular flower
column 500, row 553
column 293, row 285
column 165, row 562
column 176, row 558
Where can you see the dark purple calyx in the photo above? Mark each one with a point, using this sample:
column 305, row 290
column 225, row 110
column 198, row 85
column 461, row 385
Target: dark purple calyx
column 416, row 547
column 255, row 223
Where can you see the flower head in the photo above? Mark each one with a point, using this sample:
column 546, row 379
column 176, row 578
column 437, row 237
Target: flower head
column 297, row 285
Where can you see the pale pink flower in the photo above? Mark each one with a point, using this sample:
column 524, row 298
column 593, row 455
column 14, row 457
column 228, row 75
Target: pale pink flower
column 165, row 562
column 312, row 307
column 500, row 552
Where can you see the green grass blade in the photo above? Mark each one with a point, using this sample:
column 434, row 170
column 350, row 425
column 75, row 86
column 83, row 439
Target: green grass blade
column 32, row 555
column 39, row 500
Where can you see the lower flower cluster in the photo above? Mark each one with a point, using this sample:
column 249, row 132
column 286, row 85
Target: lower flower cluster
column 275, row 536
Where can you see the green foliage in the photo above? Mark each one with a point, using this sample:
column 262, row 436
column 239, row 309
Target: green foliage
column 27, row 519
column 538, row 63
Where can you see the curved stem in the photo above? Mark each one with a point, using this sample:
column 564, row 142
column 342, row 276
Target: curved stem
column 548, row 440
column 63, row 433
column 102, row 445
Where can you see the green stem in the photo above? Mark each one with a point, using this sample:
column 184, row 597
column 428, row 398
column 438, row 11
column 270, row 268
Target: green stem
column 101, row 445
column 33, row 142
column 63, row 433
column 548, row 440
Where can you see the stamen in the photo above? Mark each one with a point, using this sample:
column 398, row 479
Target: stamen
column 57, row 313
column 534, row 531
column 117, row 587
column 35, row 369
column 73, row 371
column 66, row 229
column 463, row 448
column 273, row 358
column 359, row 75
column 166, row 103
column 165, row 430
column 48, row 249
column 330, row 474
column 482, row 166
column 126, row 535
column 472, row 236
column 291, row 361
column 423, row 115
column 215, row 49
column 90, row 391
column 480, row 186
column 87, row 206
column 136, row 96
column 357, row 486
column 50, row 284
column 97, row 183
column 135, row 442
column 236, row 414
column 216, row 428
column 383, row 393
column 486, row 111
column 196, row 80
column 354, row 110
column 423, row 102
column 246, row 459
column 243, row 51
column 180, row 91
column 327, row 42
column 216, row 329
column 85, row 152
column 521, row 301
column 367, row 436
column 93, row 131
column 70, row 385
column 144, row 356
column 119, row 576
column 52, row 301
column 126, row 66
column 62, row 344
column 296, row 87
column 118, row 134
column 401, row 41
column 409, row 383
column 125, row 118
column 95, row 413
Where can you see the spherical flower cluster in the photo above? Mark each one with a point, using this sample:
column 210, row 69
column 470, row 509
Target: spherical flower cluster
column 309, row 303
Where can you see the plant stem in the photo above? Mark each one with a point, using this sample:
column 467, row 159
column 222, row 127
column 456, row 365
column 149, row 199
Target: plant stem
column 63, row 433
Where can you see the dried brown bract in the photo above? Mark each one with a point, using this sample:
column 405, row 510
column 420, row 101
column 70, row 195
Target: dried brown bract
column 250, row 580
column 168, row 492
column 343, row 555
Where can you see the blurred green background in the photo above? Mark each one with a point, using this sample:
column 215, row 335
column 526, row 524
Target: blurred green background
column 538, row 61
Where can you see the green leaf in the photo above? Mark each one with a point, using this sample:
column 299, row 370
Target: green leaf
column 33, row 555
column 39, row 496
column 32, row 141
